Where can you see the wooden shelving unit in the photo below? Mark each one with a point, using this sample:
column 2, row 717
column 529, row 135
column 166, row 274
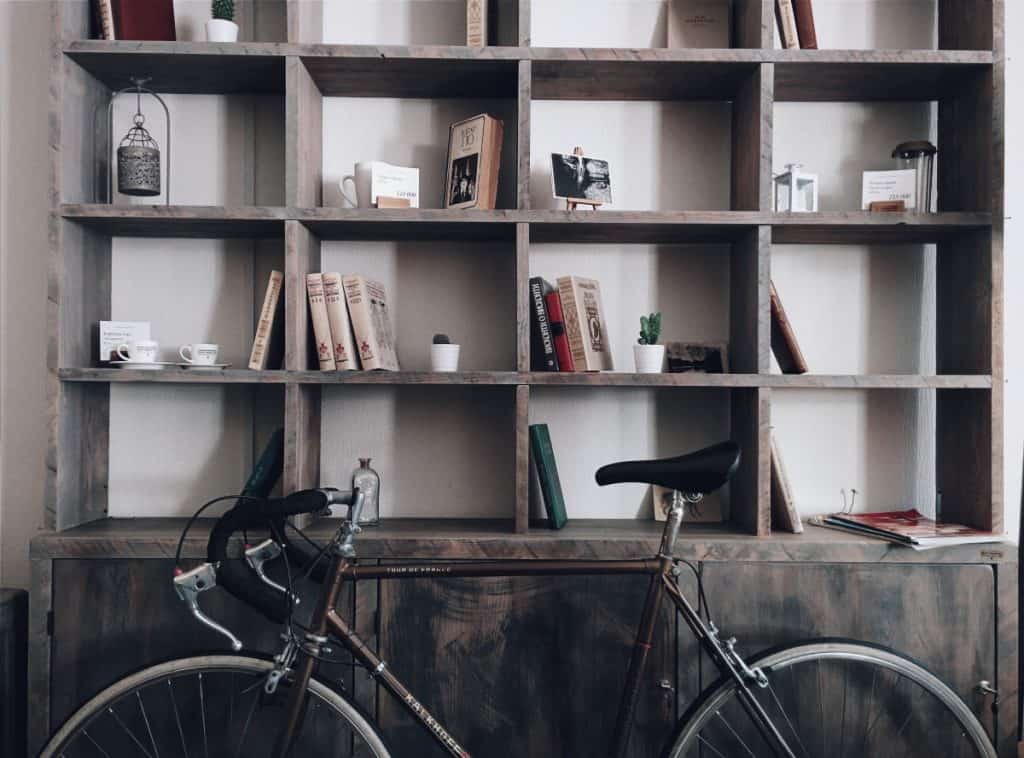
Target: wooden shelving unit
column 964, row 76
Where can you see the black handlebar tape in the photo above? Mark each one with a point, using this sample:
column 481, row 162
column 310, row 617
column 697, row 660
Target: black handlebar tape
column 236, row 575
column 304, row 501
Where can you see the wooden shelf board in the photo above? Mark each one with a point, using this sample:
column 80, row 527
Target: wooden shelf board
column 410, row 223
column 407, row 377
column 608, row 539
column 172, row 376
column 863, row 227
column 197, row 68
column 179, row 220
column 642, row 227
column 877, row 381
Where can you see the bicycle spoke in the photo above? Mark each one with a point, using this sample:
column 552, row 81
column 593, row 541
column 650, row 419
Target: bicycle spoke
column 248, row 721
column 842, row 727
column 202, row 711
column 778, row 704
column 710, row 747
column 177, row 719
column 145, row 718
column 128, row 732
column 94, row 743
column 734, row 734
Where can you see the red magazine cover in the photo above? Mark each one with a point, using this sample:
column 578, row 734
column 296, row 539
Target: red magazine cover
column 557, row 322
column 908, row 527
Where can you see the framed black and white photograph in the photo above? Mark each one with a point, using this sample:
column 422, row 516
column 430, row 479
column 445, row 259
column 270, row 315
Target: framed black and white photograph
column 705, row 357
column 464, row 180
column 581, row 179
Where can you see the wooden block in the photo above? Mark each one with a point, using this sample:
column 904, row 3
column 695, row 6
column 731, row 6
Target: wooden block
column 384, row 201
column 887, row 206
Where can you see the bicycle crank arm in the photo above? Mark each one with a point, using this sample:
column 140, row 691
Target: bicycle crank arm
column 189, row 585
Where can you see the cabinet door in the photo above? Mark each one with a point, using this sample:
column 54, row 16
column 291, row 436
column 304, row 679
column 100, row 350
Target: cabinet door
column 943, row 616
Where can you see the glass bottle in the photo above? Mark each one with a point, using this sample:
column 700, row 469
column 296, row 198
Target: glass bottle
column 367, row 481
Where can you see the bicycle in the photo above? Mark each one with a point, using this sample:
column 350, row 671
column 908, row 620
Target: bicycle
column 829, row 697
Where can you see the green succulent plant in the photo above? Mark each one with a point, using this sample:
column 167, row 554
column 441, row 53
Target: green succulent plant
column 650, row 329
column 223, row 9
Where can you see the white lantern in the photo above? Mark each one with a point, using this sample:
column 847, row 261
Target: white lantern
column 796, row 191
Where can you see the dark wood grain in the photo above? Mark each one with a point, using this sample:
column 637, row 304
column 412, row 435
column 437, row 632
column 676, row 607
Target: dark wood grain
column 523, row 100
column 522, row 285
column 301, row 438
column 750, row 488
column 968, row 24
column 753, row 24
column 522, row 459
column 302, row 256
column 303, row 137
column 40, row 604
column 964, row 450
column 751, row 165
column 207, row 222
column 748, row 301
column 864, row 227
column 1007, row 683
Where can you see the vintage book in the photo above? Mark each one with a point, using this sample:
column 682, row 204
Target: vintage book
column 585, row 324
column 786, row 20
column 345, row 356
column 699, row 23
column 888, row 186
column 563, row 353
column 804, row 15
column 371, row 323
column 785, row 515
column 474, row 158
column 543, row 455
column 324, row 341
column 268, row 468
column 268, row 344
column 906, row 527
column 112, row 334
column 105, row 16
column 542, row 345
column 146, row 20
column 476, row 22
column 784, row 344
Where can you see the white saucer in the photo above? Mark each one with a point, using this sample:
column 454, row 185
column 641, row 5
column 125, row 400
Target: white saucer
column 204, row 366
column 156, row 366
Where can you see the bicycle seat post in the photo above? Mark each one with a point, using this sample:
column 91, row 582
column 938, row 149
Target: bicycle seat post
column 673, row 522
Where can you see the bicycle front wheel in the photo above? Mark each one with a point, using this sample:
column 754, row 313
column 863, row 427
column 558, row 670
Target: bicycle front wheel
column 836, row 699
column 210, row 706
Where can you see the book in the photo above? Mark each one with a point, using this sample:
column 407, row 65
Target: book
column 699, row 23
column 474, row 158
column 585, row 325
column 556, row 321
column 784, row 344
column 803, row 13
column 476, row 23
column 104, row 12
column 345, row 356
column 906, row 527
column 145, row 20
column 543, row 455
column 542, row 345
column 371, row 323
column 786, row 20
column 784, row 513
column 321, row 325
column 268, row 344
column 267, row 470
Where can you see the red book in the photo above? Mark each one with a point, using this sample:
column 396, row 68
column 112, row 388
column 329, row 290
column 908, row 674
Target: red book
column 805, row 24
column 144, row 20
column 557, row 323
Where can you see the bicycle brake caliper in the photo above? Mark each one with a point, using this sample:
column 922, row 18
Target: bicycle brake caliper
column 753, row 674
column 282, row 665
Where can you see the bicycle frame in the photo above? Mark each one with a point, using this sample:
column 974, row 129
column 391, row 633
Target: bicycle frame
column 662, row 570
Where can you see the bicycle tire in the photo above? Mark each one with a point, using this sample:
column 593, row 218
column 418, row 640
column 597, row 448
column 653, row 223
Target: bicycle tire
column 687, row 739
column 82, row 720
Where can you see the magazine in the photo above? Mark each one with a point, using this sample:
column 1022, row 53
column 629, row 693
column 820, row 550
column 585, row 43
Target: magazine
column 907, row 527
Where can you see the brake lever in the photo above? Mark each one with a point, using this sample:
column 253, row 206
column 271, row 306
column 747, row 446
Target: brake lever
column 262, row 553
column 189, row 585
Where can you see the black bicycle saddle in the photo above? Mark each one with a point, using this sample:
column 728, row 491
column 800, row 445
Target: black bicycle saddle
column 695, row 473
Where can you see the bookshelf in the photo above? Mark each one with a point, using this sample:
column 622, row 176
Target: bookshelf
column 964, row 77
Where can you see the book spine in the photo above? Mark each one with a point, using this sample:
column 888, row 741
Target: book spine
column 106, row 12
column 783, row 504
column 321, row 324
column 547, row 471
column 786, row 20
column 784, row 345
column 542, row 346
column 476, row 23
column 264, row 328
column 268, row 468
column 490, row 163
column 803, row 14
column 345, row 358
column 362, row 322
column 557, row 323
column 573, row 327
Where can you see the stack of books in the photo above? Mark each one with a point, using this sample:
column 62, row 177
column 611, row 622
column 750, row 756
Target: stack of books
column 568, row 331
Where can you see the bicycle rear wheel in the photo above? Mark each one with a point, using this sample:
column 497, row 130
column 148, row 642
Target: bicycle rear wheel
column 836, row 699
column 210, row 706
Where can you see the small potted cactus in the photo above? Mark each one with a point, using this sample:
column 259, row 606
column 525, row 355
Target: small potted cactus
column 444, row 356
column 647, row 353
column 222, row 27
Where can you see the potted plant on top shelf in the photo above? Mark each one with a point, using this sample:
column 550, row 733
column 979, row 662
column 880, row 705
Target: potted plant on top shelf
column 222, row 27
column 647, row 353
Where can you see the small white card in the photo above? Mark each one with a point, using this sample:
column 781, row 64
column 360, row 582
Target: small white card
column 395, row 181
column 900, row 184
column 114, row 333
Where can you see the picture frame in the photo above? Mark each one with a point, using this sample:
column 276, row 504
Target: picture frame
column 583, row 179
column 474, row 159
column 703, row 357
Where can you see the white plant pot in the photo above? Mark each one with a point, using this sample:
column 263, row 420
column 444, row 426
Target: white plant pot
column 649, row 358
column 444, row 357
column 219, row 30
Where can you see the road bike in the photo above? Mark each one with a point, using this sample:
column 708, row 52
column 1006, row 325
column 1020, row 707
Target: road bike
column 826, row 698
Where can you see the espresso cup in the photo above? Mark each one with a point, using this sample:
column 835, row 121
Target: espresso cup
column 199, row 353
column 142, row 351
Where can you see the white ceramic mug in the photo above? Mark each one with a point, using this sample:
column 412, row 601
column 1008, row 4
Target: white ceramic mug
column 444, row 358
column 142, row 351
column 362, row 182
column 199, row 354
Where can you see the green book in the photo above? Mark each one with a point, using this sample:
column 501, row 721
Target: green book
column 547, row 472
column 268, row 468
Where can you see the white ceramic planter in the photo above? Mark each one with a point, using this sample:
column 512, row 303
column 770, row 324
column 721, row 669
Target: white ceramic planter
column 219, row 30
column 444, row 357
column 649, row 358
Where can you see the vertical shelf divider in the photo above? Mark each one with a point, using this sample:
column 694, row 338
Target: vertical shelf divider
column 522, row 442
column 522, row 285
column 303, row 137
column 750, row 488
column 523, row 104
column 305, row 21
column 522, row 459
column 524, row 23
column 751, row 180
column 753, row 24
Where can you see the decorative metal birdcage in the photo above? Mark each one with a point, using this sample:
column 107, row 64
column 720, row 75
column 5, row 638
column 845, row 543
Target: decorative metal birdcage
column 138, row 153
